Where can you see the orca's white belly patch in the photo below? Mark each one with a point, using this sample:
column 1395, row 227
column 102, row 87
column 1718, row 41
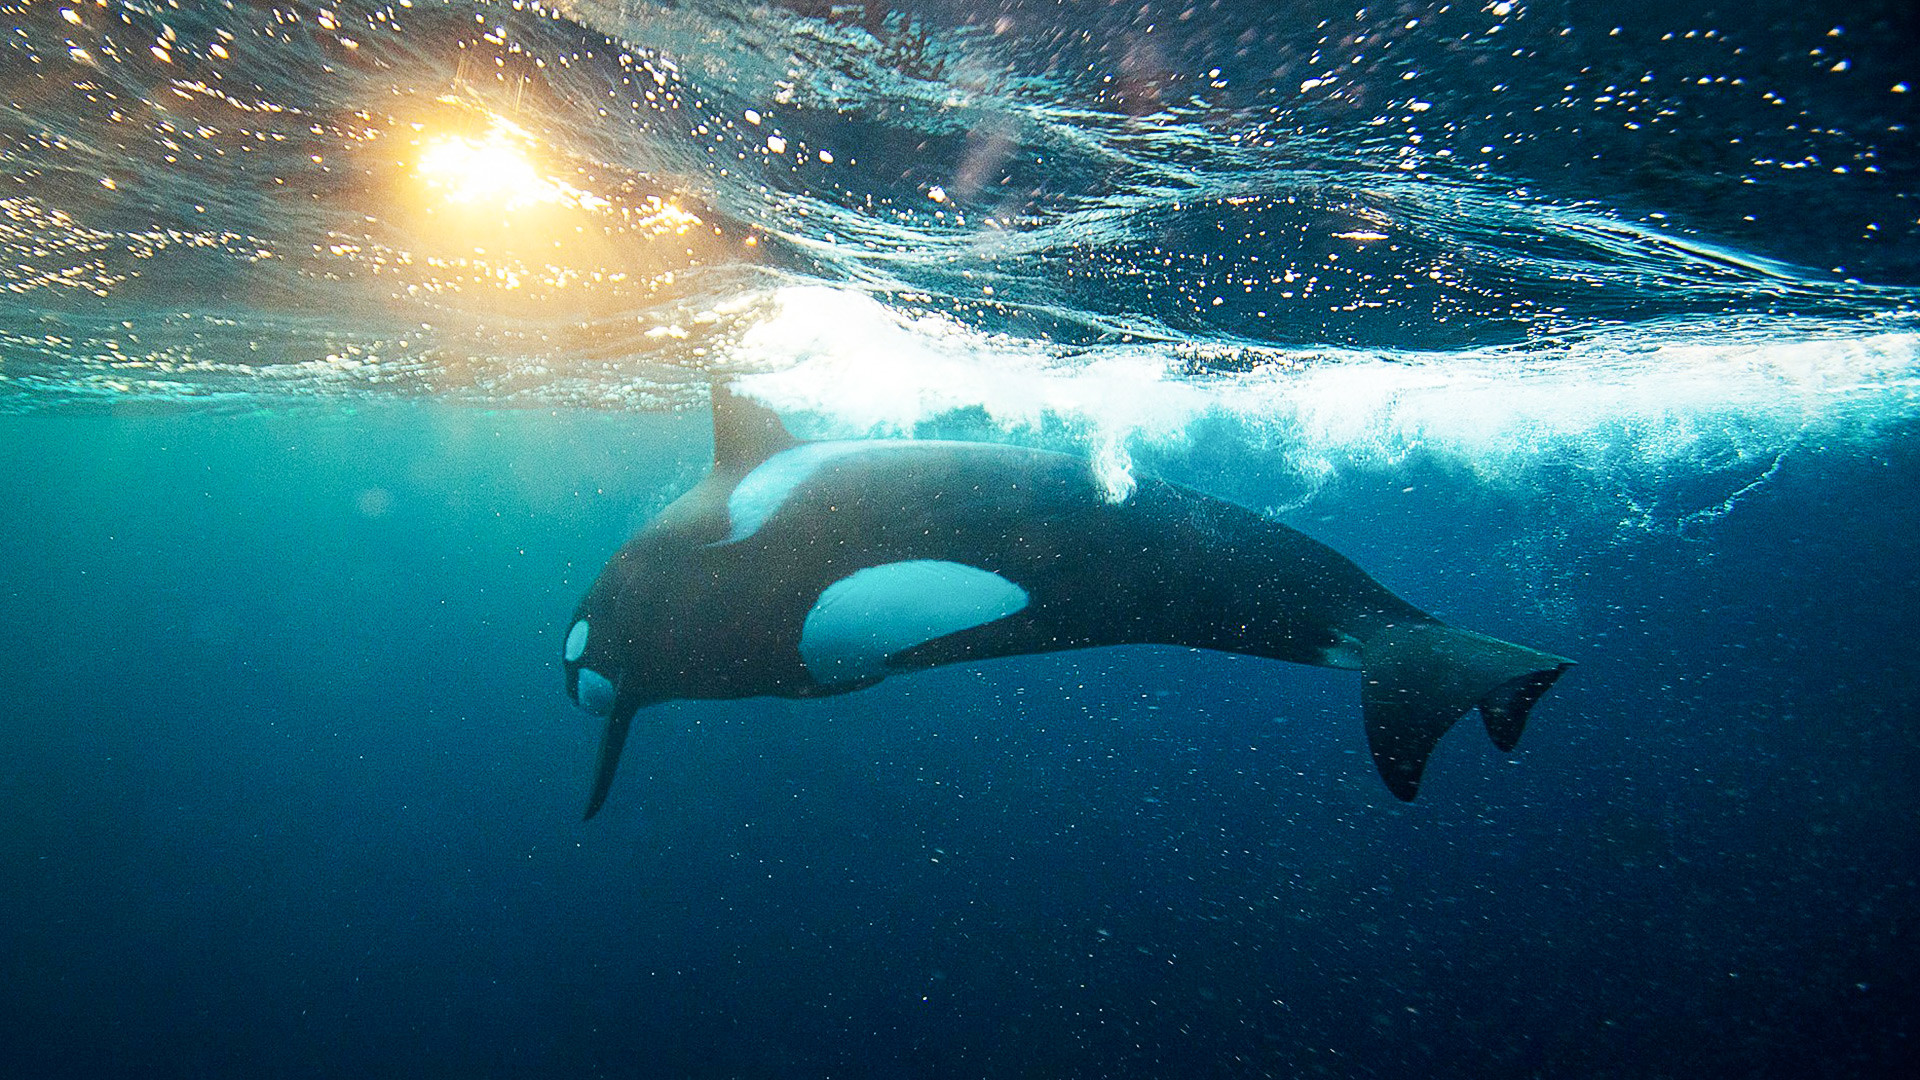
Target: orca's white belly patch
column 866, row 617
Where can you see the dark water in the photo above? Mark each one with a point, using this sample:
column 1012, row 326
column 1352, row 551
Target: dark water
column 1591, row 326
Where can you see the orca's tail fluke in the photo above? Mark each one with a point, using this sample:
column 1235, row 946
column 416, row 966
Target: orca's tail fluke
column 1419, row 678
column 609, row 761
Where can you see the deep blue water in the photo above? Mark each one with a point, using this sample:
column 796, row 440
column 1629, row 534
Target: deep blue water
column 308, row 447
column 291, row 789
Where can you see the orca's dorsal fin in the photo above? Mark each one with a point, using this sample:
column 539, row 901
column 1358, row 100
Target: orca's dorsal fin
column 745, row 433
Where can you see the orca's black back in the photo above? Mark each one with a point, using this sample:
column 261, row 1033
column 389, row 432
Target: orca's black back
column 1167, row 565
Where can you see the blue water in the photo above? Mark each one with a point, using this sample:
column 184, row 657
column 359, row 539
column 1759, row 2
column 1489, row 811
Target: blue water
column 340, row 346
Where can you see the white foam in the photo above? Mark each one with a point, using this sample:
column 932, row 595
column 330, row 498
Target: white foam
column 1654, row 395
column 845, row 356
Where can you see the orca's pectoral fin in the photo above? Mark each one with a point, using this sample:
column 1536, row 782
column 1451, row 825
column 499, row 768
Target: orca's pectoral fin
column 609, row 760
column 1419, row 678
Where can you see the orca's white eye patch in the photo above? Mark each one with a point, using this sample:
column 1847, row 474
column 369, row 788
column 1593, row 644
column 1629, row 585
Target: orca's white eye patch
column 576, row 641
column 594, row 693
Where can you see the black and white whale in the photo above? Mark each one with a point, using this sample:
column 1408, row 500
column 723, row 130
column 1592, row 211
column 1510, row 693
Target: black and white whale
column 802, row 569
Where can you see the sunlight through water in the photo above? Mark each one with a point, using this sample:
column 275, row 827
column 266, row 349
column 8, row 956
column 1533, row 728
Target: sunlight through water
column 496, row 170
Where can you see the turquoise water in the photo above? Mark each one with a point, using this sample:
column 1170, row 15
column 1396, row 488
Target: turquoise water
column 340, row 346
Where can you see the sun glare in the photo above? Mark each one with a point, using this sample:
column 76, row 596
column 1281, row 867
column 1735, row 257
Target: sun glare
column 496, row 171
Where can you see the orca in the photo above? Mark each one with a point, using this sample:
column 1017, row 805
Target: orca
column 803, row 569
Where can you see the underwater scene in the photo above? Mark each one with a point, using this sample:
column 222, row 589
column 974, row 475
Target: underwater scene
column 1023, row 490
